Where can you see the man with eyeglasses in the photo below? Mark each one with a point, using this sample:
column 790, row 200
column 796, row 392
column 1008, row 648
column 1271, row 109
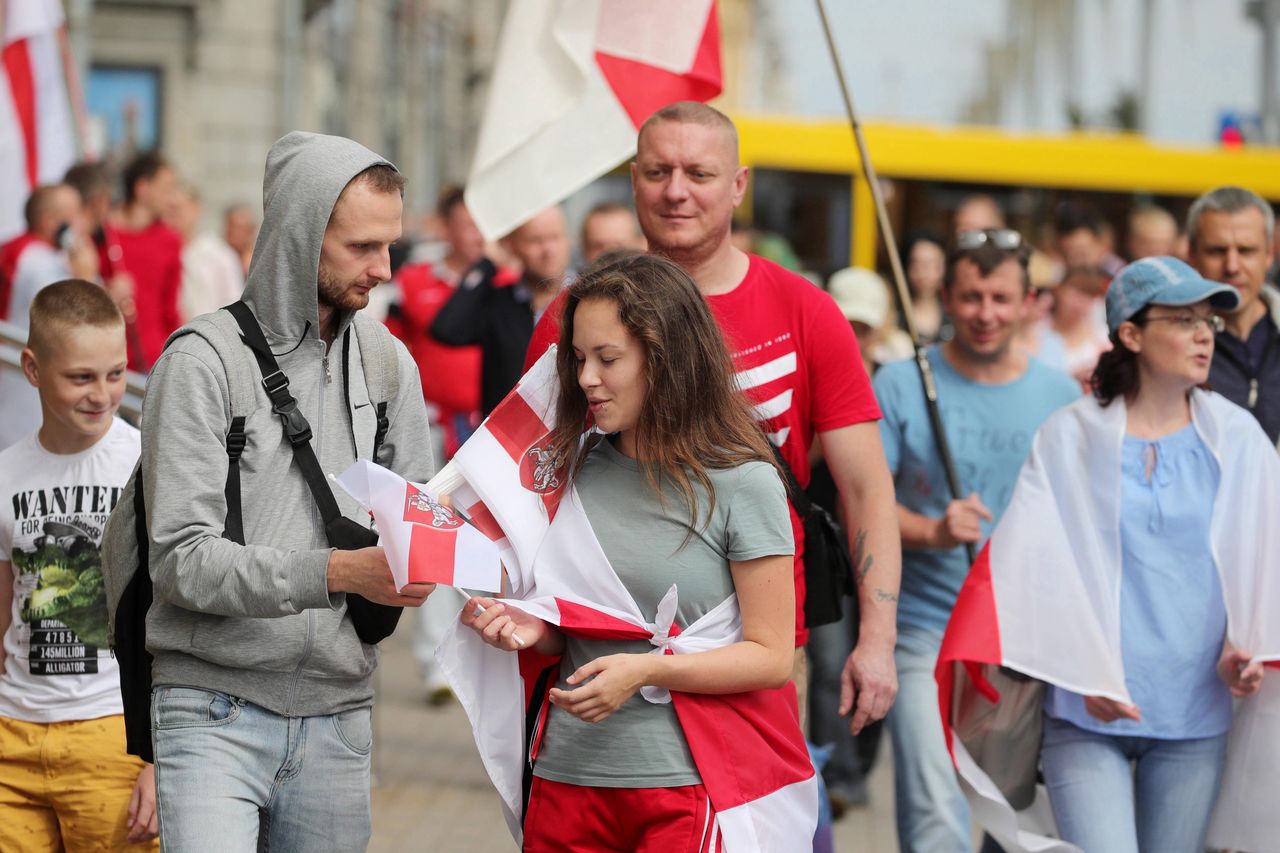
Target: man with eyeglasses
column 992, row 398
column 1229, row 237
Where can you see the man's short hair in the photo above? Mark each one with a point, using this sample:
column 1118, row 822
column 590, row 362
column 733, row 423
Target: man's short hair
column 38, row 203
column 693, row 112
column 59, row 308
column 1071, row 216
column 604, row 208
column 381, row 178
column 450, row 197
column 144, row 167
column 89, row 179
column 1229, row 200
column 987, row 257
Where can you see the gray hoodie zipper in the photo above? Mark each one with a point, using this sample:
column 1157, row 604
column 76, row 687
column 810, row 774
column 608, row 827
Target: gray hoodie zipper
column 317, row 433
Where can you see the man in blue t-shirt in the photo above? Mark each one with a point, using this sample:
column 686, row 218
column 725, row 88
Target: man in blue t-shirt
column 993, row 398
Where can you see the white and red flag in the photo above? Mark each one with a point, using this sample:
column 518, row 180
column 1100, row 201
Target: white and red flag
column 748, row 747
column 573, row 82
column 424, row 540
column 37, row 138
column 1041, row 602
column 505, row 473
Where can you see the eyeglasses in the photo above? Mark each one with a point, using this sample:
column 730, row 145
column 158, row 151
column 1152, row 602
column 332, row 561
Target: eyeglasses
column 1190, row 323
column 1005, row 239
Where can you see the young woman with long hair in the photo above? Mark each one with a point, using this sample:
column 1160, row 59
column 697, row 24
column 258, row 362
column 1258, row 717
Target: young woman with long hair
column 680, row 489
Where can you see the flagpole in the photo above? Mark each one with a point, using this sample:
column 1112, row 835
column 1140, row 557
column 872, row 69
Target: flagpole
column 901, row 294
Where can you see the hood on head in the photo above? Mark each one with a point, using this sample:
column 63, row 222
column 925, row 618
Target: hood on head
column 306, row 172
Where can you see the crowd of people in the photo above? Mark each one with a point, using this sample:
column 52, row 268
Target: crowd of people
column 702, row 386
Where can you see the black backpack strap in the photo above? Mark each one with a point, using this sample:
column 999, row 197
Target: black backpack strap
column 799, row 498
column 234, row 529
column 296, row 428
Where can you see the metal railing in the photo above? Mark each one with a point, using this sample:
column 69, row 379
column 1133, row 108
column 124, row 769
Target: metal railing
column 12, row 341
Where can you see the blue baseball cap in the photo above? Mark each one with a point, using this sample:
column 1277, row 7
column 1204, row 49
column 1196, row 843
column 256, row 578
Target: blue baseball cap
column 1163, row 281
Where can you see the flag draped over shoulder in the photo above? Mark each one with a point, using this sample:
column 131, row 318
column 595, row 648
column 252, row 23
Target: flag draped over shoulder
column 573, row 82
column 1040, row 603
column 747, row 747
column 37, row 141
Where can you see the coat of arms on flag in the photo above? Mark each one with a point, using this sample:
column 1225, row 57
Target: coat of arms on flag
column 425, row 541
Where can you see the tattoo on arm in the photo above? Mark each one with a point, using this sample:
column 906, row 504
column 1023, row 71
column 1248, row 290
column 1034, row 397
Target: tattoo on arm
column 862, row 562
column 881, row 595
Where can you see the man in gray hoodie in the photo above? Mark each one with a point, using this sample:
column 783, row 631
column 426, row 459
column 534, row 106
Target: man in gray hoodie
column 261, row 708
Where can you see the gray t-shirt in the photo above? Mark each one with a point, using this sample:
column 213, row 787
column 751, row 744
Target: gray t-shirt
column 641, row 744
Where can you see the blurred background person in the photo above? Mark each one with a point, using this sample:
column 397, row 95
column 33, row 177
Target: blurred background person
column 55, row 246
column 212, row 275
column 864, row 298
column 139, row 245
column 925, row 256
column 978, row 212
column 1073, row 321
column 240, row 231
column 94, row 183
column 1084, row 244
column 1152, row 232
column 496, row 308
column 1035, row 337
column 609, row 226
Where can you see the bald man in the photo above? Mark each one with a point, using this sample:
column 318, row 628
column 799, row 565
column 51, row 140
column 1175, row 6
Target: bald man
column 497, row 308
column 1152, row 232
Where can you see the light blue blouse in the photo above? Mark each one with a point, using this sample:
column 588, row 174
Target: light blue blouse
column 1172, row 615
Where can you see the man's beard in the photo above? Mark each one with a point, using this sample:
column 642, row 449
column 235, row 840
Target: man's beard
column 334, row 293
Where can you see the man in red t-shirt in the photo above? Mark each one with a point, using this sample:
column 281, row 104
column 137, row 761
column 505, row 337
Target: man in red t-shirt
column 797, row 360
column 147, row 253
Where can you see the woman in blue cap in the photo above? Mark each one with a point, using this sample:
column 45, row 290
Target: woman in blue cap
column 1143, row 775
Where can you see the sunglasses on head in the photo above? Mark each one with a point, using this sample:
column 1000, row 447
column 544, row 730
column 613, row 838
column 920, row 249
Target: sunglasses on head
column 1005, row 239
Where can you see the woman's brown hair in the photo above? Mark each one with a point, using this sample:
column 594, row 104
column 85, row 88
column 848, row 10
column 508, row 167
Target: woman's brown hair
column 694, row 418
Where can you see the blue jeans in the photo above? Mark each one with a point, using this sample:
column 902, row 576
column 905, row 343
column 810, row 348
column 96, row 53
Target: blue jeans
column 227, row 771
column 932, row 813
column 1131, row 794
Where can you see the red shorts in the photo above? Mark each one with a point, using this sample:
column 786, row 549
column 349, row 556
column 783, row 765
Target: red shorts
column 580, row 819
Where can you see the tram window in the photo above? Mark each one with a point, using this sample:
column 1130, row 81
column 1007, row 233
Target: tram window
column 812, row 211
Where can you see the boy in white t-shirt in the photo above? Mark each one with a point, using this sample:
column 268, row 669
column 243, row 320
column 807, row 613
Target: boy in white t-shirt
column 65, row 779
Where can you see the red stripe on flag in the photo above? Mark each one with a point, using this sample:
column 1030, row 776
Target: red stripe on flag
column 643, row 89
column 746, row 745
column 972, row 638
column 17, row 65
column 484, row 521
column 431, row 554
column 588, row 623
column 515, row 425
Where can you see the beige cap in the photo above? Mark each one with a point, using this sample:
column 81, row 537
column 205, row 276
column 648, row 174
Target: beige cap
column 861, row 294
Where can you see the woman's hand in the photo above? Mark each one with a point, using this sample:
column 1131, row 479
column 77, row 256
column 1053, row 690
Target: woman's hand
column 1109, row 710
column 142, row 807
column 503, row 627
column 1242, row 677
column 614, row 680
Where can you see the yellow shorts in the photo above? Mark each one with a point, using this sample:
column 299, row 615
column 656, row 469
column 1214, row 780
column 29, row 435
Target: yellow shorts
column 66, row 786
